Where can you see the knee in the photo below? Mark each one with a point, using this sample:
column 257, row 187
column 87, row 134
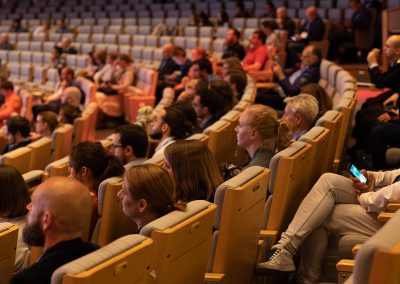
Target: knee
column 326, row 181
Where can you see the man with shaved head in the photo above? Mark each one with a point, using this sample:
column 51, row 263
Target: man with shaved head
column 167, row 67
column 58, row 215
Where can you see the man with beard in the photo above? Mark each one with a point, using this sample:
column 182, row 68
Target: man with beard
column 59, row 211
column 232, row 45
column 129, row 145
column 169, row 124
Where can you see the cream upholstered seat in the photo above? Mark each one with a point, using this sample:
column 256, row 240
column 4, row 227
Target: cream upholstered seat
column 182, row 243
column 58, row 167
column 125, row 260
column 62, row 141
column 18, row 158
column 240, row 202
column 41, row 151
column 8, row 245
column 221, row 137
column 112, row 222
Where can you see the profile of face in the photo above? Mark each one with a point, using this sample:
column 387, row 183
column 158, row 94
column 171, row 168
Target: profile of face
column 390, row 50
column 33, row 233
column 157, row 124
column 307, row 57
column 243, row 130
column 195, row 71
column 195, row 54
column 291, row 117
column 255, row 40
column 230, row 37
column 10, row 138
column 117, row 149
column 198, row 108
column 131, row 207
column 40, row 125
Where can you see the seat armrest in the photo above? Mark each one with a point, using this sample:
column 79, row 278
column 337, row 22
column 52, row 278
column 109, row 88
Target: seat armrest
column 345, row 265
column 214, row 278
column 356, row 249
column 384, row 217
column 393, row 207
column 132, row 90
column 260, row 251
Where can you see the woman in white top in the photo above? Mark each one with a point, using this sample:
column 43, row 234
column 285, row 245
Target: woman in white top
column 14, row 197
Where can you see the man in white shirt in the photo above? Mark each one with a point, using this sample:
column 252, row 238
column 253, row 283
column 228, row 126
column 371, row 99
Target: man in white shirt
column 337, row 206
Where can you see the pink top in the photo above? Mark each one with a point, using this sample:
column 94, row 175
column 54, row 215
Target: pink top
column 256, row 54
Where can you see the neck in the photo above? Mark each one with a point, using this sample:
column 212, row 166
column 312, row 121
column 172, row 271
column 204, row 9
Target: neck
column 252, row 148
column 53, row 239
column 145, row 219
column 131, row 159
column 206, row 118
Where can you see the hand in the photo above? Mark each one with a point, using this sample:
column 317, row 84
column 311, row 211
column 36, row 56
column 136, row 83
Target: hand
column 391, row 100
column 362, row 187
column 385, row 117
column 372, row 56
column 277, row 69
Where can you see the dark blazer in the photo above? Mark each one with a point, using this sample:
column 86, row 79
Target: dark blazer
column 309, row 75
column 315, row 29
column 167, row 66
column 10, row 147
column 234, row 50
column 388, row 79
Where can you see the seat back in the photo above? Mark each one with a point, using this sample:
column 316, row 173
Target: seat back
column 288, row 185
column 8, row 245
column 27, row 99
column 331, row 120
column 240, row 202
column 81, row 127
column 319, row 138
column 125, row 260
column 89, row 89
column 220, row 134
column 378, row 260
column 58, row 167
column 199, row 137
column 181, row 238
column 19, row 158
column 91, row 111
column 41, row 151
column 62, row 141
column 112, row 223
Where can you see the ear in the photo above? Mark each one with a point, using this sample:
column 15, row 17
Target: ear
column 129, row 151
column 84, row 171
column 46, row 220
column 254, row 134
column 142, row 206
column 298, row 118
column 164, row 127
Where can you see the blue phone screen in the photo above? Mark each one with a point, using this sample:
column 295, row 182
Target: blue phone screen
column 357, row 173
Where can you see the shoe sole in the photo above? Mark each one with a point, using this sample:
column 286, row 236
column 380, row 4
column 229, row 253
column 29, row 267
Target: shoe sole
column 276, row 267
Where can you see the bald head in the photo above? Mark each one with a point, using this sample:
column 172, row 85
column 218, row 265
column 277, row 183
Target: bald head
column 168, row 50
column 281, row 12
column 392, row 48
column 67, row 201
column 311, row 13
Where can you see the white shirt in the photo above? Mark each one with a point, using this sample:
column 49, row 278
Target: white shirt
column 386, row 191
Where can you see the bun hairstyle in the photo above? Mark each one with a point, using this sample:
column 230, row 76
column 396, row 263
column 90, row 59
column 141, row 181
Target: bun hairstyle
column 274, row 132
column 93, row 156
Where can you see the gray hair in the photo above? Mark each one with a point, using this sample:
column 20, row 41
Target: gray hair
column 306, row 105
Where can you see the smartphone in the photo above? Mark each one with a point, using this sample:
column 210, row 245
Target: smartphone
column 356, row 172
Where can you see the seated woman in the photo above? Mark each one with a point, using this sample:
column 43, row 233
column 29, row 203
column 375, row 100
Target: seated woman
column 46, row 122
column 14, row 197
column 336, row 206
column 90, row 163
column 68, row 113
column 110, row 92
column 147, row 194
column 194, row 170
column 106, row 73
column 262, row 134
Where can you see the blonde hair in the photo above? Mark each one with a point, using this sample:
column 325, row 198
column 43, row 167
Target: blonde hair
column 274, row 132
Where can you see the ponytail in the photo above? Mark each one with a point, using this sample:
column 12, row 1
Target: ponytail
column 283, row 134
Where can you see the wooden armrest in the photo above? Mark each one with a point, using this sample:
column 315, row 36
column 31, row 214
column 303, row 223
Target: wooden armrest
column 345, row 265
column 268, row 234
column 356, row 249
column 385, row 216
column 213, row 278
column 267, row 85
column 392, row 207
column 260, row 251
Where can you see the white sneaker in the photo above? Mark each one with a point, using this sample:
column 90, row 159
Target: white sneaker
column 279, row 259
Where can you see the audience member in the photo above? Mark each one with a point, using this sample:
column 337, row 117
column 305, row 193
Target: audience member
column 190, row 91
column 313, row 29
column 62, row 27
column 14, row 198
column 223, row 90
column 309, row 72
column 168, row 125
column 46, row 122
column 90, row 164
column 68, row 113
column 66, row 46
column 166, row 68
column 324, row 101
column 57, row 216
column 257, row 53
column 284, row 21
column 204, row 21
column 194, row 19
column 96, row 63
column 269, row 27
column 231, row 64
column 190, row 114
column 262, row 134
column 200, row 69
column 360, row 20
column 238, row 82
column 222, row 19
column 147, row 194
column 129, row 145
column 200, row 52
column 106, row 74
column 196, row 178
column 43, row 29
column 232, row 45
column 17, row 134
column 269, row 10
column 57, row 59
column 5, row 43
column 12, row 102
column 184, row 63
column 207, row 105
column 16, row 27
column 300, row 113
column 335, row 206
column 240, row 10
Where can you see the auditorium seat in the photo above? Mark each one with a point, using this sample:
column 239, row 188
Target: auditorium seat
column 240, row 203
column 8, row 245
column 182, row 243
column 218, row 141
column 58, row 167
column 19, row 158
column 126, row 260
column 41, row 151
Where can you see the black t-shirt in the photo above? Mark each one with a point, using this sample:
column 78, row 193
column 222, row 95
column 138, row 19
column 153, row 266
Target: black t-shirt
column 53, row 258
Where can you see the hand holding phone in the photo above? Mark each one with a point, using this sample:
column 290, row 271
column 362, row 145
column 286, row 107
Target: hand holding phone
column 356, row 173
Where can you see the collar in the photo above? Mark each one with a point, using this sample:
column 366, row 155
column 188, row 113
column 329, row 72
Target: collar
column 136, row 162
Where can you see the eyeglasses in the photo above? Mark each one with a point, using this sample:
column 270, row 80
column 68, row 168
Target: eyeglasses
column 113, row 146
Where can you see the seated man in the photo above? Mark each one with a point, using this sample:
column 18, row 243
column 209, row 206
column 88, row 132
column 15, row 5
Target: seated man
column 12, row 102
column 17, row 134
column 284, row 21
column 312, row 29
column 16, row 27
column 232, row 45
column 58, row 214
column 300, row 113
column 129, row 145
column 207, row 105
column 257, row 54
column 169, row 124
column 238, row 82
column 336, row 206
column 66, row 46
column 5, row 43
column 291, row 86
